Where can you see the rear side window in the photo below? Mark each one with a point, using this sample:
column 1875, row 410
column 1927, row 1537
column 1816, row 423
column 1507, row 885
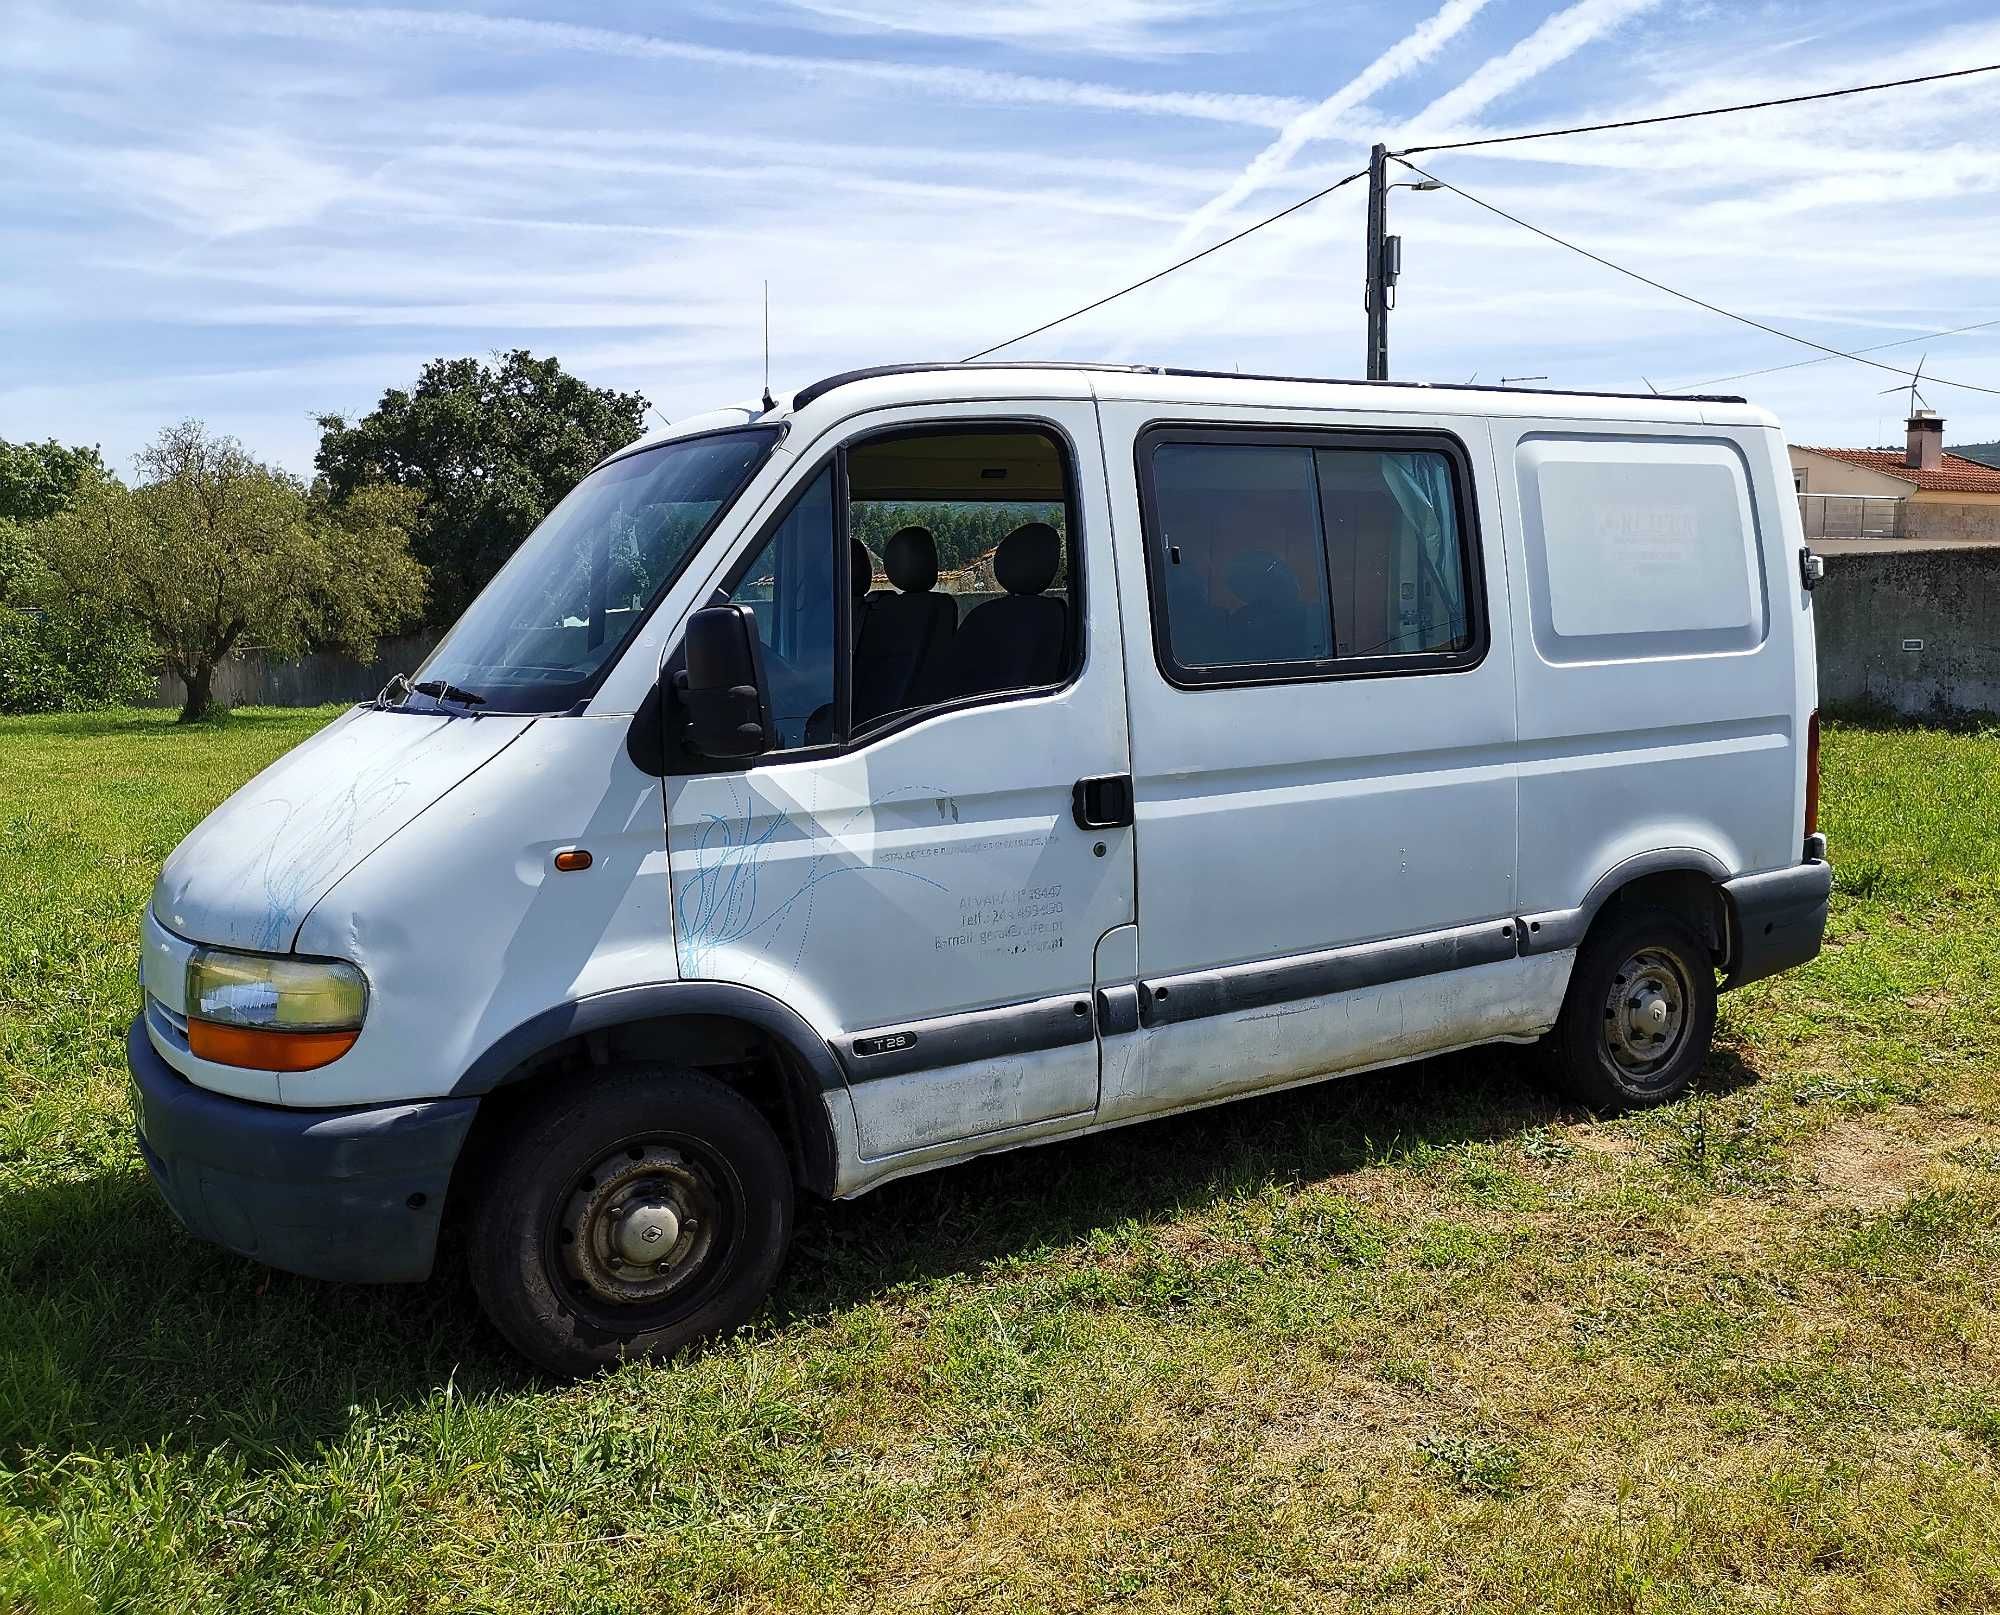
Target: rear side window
column 1639, row 546
column 1307, row 555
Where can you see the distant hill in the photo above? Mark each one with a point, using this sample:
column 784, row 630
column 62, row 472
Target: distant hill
column 1984, row 453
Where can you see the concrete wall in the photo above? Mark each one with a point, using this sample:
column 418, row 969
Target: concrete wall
column 253, row 680
column 1876, row 596
column 1934, row 514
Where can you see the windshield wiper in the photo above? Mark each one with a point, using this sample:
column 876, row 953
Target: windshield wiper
column 399, row 689
column 438, row 690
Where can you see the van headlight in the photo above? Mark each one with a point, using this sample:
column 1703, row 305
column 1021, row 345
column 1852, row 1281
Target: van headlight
column 272, row 1013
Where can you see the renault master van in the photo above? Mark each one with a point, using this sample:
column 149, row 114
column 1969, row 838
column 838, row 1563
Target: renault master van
column 959, row 757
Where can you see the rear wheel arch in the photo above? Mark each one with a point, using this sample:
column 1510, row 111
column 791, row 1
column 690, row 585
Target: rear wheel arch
column 1685, row 881
column 1693, row 894
column 738, row 1035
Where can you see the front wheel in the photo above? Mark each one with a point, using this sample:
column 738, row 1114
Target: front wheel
column 628, row 1215
column 1639, row 1015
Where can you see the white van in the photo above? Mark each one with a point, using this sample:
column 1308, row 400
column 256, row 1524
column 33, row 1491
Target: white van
column 958, row 757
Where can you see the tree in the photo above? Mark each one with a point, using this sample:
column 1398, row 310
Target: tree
column 490, row 448
column 39, row 479
column 212, row 550
column 54, row 655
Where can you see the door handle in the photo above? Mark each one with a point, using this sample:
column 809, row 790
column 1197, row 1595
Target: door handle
column 1102, row 803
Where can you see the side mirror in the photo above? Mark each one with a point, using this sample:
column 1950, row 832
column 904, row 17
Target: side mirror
column 723, row 692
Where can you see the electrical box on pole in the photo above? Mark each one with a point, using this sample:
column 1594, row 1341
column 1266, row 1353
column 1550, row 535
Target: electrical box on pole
column 1381, row 273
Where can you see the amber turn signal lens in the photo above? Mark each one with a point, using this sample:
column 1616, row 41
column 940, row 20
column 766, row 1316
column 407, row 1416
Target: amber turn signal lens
column 263, row 1050
column 570, row 861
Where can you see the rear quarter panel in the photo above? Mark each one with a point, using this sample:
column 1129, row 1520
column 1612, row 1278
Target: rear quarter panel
column 1654, row 741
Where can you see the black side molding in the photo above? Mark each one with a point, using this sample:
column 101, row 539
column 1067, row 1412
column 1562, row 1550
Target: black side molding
column 980, row 1034
column 1163, row 1000
column 1776, row 920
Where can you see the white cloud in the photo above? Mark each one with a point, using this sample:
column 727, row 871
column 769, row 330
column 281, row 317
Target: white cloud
column 363, row 25
column 1114, row 27
column 1557, row 39
column 1413, row 50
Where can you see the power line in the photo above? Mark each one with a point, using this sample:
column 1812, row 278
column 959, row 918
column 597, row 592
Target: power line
column 1706, row 112
column 1873, row 347
column 1686, row 297
column 1161, row 274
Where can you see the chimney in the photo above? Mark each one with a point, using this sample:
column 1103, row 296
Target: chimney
column 1926, row 443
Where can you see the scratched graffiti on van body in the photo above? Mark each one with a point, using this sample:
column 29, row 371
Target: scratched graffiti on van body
column 312, row 846
column 725, row 900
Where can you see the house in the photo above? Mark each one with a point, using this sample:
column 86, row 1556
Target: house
column 1924, row 492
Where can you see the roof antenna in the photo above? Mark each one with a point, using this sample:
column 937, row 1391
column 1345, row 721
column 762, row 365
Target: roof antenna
column 770, row 403
column 1648, row 380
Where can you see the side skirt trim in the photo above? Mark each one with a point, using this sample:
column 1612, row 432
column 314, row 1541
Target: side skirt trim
column 980, row 1034
column 1196, row 994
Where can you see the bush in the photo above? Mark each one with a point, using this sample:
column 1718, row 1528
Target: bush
column 52, row 660
column 49, row 663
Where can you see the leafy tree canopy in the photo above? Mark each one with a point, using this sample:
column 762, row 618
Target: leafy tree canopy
column 212, row 549
column 38, row 479
column 55, row 656
column 490, row 448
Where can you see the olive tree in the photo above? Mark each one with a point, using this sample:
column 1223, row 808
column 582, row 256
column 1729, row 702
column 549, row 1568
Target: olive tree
column 211, row 550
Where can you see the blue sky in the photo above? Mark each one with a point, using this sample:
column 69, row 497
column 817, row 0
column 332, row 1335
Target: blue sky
column 252, row 213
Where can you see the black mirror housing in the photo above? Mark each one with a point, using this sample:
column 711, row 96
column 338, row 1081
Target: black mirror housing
column 723, row 691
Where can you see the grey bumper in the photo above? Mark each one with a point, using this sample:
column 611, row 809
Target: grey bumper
column 333, row 1194
column 1777, row 920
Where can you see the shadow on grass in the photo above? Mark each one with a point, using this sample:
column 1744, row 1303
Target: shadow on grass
column 118, row 1330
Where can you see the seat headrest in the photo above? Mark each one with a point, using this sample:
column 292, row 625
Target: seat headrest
column 861, row 570
column 1027, row 559
column 910, row 559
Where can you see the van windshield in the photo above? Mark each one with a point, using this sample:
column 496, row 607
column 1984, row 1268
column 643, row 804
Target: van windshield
column 558, row 613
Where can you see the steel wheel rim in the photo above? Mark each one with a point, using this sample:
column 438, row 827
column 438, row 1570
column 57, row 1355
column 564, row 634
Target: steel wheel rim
column 1647, row 1012
column 642, row 1233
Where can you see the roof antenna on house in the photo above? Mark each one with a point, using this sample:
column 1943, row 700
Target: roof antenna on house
column 769, row 402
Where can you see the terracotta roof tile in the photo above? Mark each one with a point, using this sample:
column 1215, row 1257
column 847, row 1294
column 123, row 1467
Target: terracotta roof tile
column 1954, row 473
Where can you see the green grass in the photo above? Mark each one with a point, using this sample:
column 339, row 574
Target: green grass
column 1416, row 1340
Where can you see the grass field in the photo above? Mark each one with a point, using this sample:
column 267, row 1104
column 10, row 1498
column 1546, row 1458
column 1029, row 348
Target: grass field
column 1413, row 1341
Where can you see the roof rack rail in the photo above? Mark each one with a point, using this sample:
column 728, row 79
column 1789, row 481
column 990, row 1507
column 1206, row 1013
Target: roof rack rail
column 826, row 384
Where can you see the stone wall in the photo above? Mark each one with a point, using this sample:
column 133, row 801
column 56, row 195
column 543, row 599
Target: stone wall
column 1870, row 603
column 1952, row 519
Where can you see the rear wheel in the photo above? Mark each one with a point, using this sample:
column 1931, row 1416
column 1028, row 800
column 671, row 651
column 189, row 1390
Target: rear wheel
column 628, row 1215
column 1639, row 1015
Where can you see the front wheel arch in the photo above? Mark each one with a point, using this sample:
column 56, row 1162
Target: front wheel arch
column 744, row 1037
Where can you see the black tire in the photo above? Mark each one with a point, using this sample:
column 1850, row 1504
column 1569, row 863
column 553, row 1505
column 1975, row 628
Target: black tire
column 1622, row 1053
column 590, row 1171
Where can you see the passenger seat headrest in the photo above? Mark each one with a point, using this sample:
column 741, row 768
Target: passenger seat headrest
column 861, row 570
column 1028, row 558
column 910, row 559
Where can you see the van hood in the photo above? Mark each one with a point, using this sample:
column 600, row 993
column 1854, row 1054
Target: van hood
column 249, row 873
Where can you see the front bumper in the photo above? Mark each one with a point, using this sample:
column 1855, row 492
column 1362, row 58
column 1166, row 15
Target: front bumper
column 1777, row 919
column 334, row 1194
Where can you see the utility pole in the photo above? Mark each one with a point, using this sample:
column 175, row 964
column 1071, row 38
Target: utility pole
column 1381, row 272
